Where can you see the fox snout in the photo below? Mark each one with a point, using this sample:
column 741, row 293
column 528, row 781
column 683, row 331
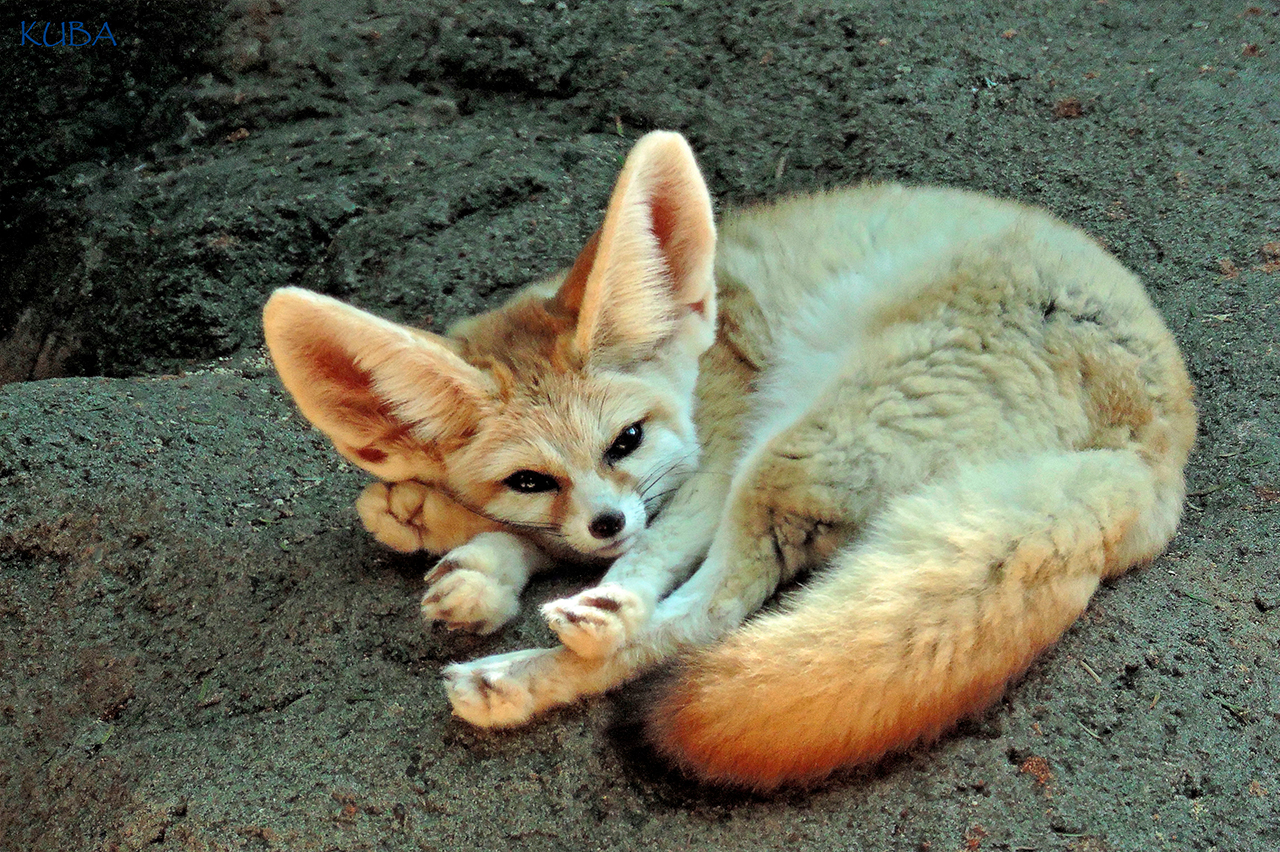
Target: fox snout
column 603, row 519
column 607, row 524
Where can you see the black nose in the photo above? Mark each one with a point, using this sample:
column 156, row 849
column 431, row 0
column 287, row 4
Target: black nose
column 607, row 525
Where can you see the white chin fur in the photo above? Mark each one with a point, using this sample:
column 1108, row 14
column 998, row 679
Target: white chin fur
column 615, row 549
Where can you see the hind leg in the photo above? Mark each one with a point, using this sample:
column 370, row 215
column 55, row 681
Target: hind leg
column 1154, row 527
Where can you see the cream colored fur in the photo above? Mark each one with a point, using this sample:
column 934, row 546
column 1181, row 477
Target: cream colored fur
column 959, row 412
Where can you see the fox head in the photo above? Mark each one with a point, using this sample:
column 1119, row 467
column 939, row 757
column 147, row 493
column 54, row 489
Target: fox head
column 567, row 412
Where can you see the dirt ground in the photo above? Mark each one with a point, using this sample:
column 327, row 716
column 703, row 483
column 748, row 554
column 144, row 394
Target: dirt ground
column 202, row 650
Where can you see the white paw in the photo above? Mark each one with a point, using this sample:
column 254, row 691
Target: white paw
column 466, row 599
column 392, row 512
column 596, row 623
column 492, row 692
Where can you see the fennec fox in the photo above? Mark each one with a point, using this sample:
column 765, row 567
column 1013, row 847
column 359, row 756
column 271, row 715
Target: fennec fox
column 961, row 414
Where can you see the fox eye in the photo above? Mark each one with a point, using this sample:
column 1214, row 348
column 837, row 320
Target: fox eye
column 531, row 482
column 625, row 444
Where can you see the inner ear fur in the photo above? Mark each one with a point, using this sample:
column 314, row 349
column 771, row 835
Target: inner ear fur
column 646, row 276
column 382, row 392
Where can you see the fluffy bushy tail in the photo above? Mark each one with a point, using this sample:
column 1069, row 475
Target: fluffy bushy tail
column 924, row 620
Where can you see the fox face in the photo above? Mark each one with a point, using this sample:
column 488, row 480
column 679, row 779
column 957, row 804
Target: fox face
column 566, row 413
column 583, row 462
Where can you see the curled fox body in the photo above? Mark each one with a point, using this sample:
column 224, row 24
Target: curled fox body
column 957, row 414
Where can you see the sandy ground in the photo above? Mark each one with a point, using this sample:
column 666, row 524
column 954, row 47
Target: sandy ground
column 202, row 650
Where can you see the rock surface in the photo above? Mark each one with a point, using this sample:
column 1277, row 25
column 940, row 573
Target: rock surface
column 203, row 651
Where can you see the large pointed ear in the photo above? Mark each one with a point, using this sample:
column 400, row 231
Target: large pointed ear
column 379, row 390
column 645, row 279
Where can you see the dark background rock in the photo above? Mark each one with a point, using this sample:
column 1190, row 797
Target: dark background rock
column 69, row 115
column 202, row 650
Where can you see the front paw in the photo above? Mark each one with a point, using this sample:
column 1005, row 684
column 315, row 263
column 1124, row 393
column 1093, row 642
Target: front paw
column 596, row 623
column 462, row 597
column 392, row 512
column 492, row 692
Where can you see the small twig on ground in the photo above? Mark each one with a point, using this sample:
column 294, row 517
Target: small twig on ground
column 1091, row 672
column 1241, row 713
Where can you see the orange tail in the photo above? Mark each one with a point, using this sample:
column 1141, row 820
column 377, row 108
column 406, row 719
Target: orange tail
column 735, row 716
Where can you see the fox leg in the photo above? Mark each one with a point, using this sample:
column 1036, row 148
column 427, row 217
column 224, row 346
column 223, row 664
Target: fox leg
column 476, row 585
column 598, row 621
column 411, row 516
